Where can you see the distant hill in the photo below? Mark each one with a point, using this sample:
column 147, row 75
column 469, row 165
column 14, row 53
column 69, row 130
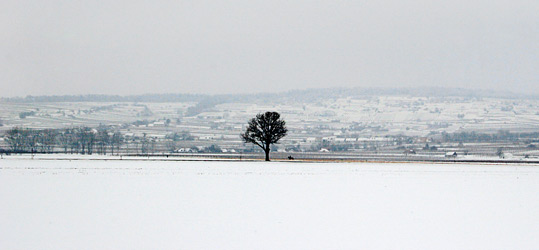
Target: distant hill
column 307, row 95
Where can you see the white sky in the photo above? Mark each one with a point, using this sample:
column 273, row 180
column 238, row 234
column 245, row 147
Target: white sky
column 213, row 47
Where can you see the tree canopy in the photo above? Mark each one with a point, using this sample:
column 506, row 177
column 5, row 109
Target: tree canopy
column 265, row 129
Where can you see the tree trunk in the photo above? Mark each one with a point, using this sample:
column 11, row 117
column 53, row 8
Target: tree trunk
column 267, row 154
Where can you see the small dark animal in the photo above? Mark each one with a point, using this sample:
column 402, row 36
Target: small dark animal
column 290, row 157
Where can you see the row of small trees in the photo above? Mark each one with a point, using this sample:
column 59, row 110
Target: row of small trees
column 86, row 140
column 83, row 140
column 501, row 135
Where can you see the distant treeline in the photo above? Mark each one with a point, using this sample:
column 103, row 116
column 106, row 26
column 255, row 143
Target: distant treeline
column 108, row 98
column 309, row 95
column 86, row 140
column 500, row 136
column 83, row 140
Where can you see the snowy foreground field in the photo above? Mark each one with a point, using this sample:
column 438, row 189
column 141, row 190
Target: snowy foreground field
column 96, row 204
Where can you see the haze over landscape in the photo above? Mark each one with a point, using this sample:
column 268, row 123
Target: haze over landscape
column 210, row 47
column 251, row 124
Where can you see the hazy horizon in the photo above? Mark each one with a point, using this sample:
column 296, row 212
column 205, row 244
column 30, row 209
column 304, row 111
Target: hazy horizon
column 244, row 47
column 373, row 91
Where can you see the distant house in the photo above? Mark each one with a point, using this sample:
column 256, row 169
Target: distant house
column 409, row 152
column 324, row 150
column 506, row 156
column 158, row 124
column 451, row 154
column 206, row 137
column 186, row 150
column 311, row 139
column 422, row 140
column 329, row 138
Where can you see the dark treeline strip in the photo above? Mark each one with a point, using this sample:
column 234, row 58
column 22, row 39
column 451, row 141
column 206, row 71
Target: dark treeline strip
column 80, row 140
column 100, row 140
column 308, row 95
column 500, row 136
column 108, row 98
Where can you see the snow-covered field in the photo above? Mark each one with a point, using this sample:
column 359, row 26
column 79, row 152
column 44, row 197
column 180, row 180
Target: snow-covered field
column 97, row 204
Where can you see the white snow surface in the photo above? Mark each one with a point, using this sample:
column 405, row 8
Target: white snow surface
column 128, row 204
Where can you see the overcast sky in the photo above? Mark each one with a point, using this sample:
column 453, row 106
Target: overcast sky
column 197, row 46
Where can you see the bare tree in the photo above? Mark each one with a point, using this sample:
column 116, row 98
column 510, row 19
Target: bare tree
column 144, row 144
column 171, row 146
column 116, row 141
column 102, row 139
column 64, row 139
column 264, row 130
column 48, row 140
column 15, row 139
